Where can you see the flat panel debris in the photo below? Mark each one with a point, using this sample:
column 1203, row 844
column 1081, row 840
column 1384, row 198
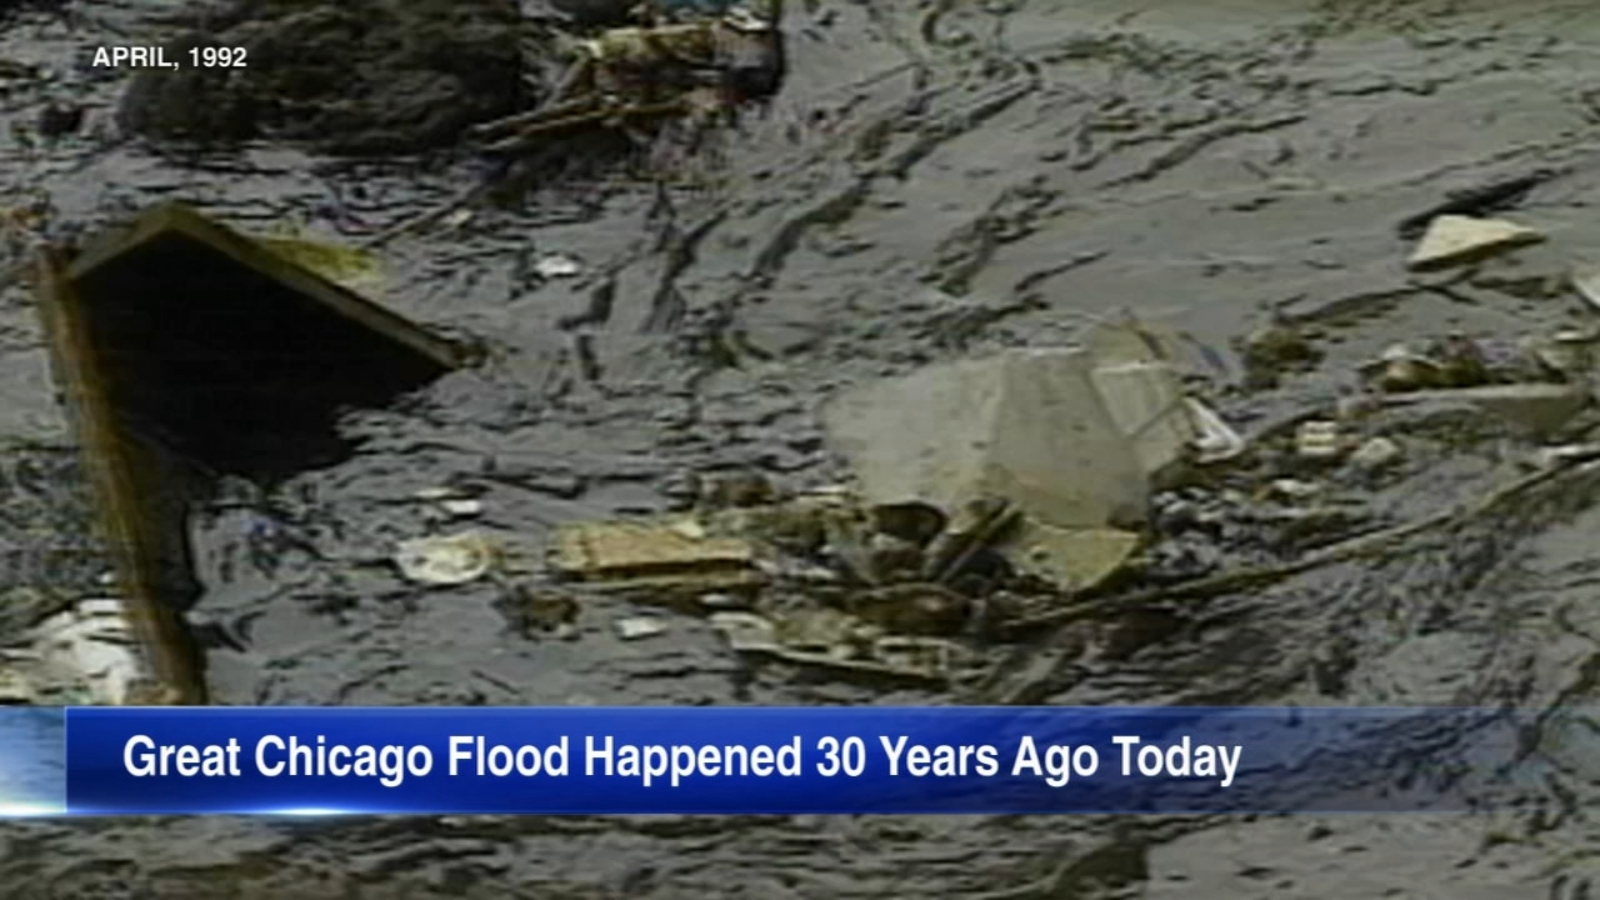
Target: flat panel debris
column 1456, row 240
column 677, row 546
column 185, row 351
column 1070, row 436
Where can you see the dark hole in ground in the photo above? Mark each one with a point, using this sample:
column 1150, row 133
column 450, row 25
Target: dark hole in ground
column 228, row 367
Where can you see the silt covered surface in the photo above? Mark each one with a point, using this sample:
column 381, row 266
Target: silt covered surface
column 1043, row 165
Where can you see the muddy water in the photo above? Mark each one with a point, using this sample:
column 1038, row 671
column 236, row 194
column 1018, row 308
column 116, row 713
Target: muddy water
column 1044, row 164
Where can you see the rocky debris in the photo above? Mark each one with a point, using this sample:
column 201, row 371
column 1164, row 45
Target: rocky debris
column 1456, row 240
column 355, row 77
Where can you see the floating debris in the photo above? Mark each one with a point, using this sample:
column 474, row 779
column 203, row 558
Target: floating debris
column 636, row 628
column 1069, row 437
column 534, row 611
column 1377, row 453
column 834, row 642
column 462, row 509
column 674, row 547
column 746, row 632
column 1320, row 441
column 87, row 654
column 451, row 560
column 1568, row 355
column 1294, row 490
column 232, row 360
column 1534, row 409
column 1400, row 368
column 1456, row 240
column 1272, row 350
column 1585, row 279
column 15, row 688
column 556, row 265
column 1216, row 440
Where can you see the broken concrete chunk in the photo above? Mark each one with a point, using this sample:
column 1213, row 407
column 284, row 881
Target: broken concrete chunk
column 626, row 550
column 456, row 559
column 1455, row 240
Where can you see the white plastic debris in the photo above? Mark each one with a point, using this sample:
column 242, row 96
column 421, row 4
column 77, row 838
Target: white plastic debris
column 1319, row 440
column 1217, row 441
column 1585, row 279
column 455, row 559
column 462, row 509
column 1451, row 240
column 1293, row 489
column 1564, row 454
column 635, row 628
column 1070, row 436
column 557, row 265
column 90, row 647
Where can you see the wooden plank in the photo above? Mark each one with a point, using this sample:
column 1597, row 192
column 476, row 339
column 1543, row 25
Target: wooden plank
column 121, row 480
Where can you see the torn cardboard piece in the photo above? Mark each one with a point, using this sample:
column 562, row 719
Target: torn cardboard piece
column 661, row 552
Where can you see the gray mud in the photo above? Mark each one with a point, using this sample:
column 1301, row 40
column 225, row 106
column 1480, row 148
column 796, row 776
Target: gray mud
column 1196, row 162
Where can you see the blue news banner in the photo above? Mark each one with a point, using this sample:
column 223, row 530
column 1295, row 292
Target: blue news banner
column 116, row 761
